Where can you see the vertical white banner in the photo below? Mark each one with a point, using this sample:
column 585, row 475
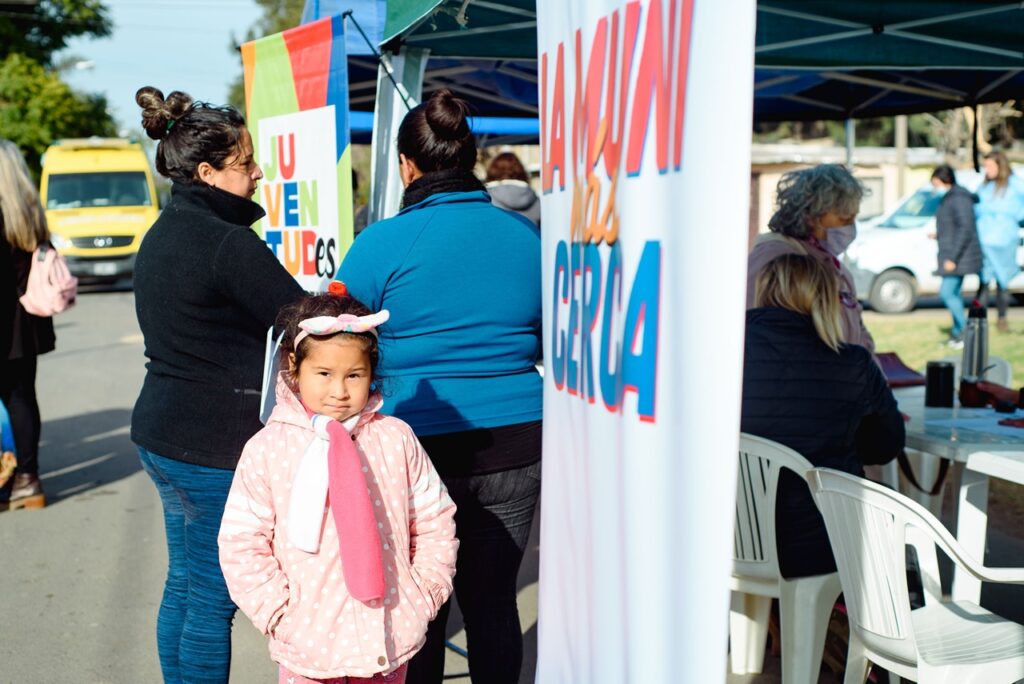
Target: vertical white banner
column 646, row 111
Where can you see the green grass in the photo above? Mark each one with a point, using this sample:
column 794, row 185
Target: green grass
column 918, row 337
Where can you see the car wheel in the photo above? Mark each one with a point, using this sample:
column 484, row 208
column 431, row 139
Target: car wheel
column 893, row 292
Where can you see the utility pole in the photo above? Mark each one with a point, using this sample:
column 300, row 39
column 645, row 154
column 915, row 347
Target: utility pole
column 850, row 141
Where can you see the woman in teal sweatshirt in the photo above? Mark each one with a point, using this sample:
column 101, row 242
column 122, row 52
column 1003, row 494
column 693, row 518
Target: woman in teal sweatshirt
column 462, row 281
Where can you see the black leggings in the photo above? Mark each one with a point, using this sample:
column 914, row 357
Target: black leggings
column 1002, row 296
column 492, row 522
column 18, row 392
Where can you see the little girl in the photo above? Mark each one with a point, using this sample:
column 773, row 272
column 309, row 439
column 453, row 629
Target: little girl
column 338, row 538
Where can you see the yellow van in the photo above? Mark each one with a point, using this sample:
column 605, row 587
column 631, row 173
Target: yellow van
column 100, row 200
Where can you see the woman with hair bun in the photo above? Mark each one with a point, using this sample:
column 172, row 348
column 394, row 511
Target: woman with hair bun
column 462, row 280
column 206, row 290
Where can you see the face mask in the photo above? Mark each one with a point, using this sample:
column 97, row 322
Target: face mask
column 838, row 239
column 939, row 192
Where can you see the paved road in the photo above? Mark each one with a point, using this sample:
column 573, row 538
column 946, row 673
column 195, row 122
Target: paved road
column 81, row 579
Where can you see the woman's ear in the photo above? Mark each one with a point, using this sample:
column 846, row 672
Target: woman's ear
column 408, row 170
column 205, row 172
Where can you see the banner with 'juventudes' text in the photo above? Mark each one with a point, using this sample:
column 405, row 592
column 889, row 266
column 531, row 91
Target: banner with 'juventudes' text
column 296, row 94
column 645, row 135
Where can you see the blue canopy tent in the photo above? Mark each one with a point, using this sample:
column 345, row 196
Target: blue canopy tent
column 507, row 130
column 815, row 59
column 500, row 89
column 827, row 59
column 790, row 95
column 503, row 92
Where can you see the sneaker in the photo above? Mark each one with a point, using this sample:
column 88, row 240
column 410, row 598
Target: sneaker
column 26, row 492
column 955, row 343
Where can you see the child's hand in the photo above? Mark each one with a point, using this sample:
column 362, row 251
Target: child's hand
column 7, row 465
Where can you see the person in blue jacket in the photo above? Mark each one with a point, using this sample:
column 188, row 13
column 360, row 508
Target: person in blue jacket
column 462, row 280
column 999, row 211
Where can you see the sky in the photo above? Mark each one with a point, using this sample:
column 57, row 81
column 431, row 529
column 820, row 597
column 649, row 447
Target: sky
column 169, row 44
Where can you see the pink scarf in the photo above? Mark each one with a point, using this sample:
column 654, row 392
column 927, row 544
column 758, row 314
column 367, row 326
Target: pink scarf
column 361, row 556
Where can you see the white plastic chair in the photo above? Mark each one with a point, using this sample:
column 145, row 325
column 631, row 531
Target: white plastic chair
column 944, row 641
column 805, row 604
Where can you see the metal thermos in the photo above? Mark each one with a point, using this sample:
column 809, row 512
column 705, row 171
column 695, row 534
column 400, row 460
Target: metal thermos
column 975, row 359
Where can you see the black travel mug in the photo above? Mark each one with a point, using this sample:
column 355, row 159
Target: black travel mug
column 938, row 390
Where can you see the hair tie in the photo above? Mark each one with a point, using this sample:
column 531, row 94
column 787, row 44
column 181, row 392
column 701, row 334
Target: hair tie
column 170, row 124
column 337, row 289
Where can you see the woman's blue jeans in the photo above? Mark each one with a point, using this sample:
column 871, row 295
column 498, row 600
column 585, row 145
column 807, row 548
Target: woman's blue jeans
column 193, row 629
column 949, row 291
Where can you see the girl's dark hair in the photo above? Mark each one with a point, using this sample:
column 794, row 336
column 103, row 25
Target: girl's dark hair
column 506, row 166
column 945, row 174
column 189, row 132
column 436, row 134
column 291, row 315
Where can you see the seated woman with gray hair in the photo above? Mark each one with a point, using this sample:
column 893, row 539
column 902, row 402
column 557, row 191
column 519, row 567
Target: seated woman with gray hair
column 815, row 214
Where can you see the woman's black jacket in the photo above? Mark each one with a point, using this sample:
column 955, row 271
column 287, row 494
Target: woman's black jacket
column 835, row 409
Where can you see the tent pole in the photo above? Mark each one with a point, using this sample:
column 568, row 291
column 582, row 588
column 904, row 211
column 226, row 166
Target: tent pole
column 974, row 141
column 901, row 154
column 399, row 86
column 381, row 61
column 850, row 141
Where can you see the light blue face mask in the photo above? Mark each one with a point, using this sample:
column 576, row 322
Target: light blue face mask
column 939, row 192
column 838, row 239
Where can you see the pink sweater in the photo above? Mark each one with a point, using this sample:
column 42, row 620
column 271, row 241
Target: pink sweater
column 769, row 246
column 299, row 599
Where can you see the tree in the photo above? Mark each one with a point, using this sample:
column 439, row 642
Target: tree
column 39, row 30
column 878, row 132
column 1000, row 125
column 278, row 15
column 36, row 108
